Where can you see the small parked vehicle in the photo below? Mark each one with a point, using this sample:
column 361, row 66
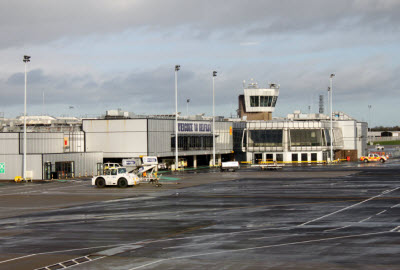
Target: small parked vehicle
column 117, row 176
column 373, row 157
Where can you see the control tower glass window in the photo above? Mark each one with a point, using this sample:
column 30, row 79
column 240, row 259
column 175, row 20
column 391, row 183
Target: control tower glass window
column 275, row 98
column 254, row 101
column 264, row 101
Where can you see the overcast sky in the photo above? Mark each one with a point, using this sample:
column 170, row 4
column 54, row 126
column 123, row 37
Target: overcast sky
column 95, row 55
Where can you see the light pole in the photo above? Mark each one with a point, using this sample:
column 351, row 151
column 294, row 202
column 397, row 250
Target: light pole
column 177, row 67
column 26, row 60
column 214, row 75
column 369, row 122
column 187, row 106
column 331, row 90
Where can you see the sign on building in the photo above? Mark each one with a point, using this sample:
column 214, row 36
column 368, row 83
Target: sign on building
column 3, row 167
column 194, row 127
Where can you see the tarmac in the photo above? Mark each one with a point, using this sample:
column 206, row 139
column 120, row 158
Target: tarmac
column 308, row 217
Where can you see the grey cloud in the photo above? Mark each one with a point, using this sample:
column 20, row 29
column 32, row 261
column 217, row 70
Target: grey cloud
column 27, row 22
column 152, row 91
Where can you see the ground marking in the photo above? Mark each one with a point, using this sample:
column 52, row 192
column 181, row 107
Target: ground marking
column 381, row 212
column 261, row 247
column 361, row 221
column 17, row 258
column 144, row 265
column 331, row 230
column 266, row 237
column 200, row 244
column 395, row 229
column 395, row 205
column 348, row 207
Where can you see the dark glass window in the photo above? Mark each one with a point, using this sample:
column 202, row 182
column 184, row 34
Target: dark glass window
column 304, row 157
column 264, row 101
column 279, row 157
column 265, row 138
column 274, row 101
column 306, row 137
column 192, row 142
column 327, row 134
column 295, row 157
column 270, row 101
column 313, row 156
column 254, row 101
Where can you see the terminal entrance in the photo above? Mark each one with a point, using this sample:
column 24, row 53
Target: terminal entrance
column 47, row 171
column 257, row 158
column 65, row 169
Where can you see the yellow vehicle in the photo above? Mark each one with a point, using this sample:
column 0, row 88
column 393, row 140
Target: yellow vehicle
column 373, row 157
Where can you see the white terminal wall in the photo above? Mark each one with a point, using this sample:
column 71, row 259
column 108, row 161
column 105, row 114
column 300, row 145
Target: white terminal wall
column 42, row 142
column 84, row 163
column 117, row 137
column 13, row 166
column 160, row 132
column 9, row 143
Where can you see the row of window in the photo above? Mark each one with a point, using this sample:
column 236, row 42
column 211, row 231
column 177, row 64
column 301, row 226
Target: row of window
column 192, row 142
column 298, row 137
column 295, row 157
column 263, row 101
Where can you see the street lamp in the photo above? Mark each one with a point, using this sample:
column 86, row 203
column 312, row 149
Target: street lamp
column 26, row 60
column 214, row 75
column 187, row 106
column 331, row 90
column 177, row 67
column 369, row 121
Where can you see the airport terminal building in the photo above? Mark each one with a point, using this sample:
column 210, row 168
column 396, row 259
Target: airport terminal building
column 70, row 147
column 80, row 147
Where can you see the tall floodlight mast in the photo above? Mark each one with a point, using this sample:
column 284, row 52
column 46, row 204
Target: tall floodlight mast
column 177, row 67
column 26, row 60
column 214, row 75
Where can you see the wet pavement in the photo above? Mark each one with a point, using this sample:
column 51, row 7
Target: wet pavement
column 308, row 217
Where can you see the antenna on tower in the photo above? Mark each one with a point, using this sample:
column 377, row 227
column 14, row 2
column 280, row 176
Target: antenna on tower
column 321, row 103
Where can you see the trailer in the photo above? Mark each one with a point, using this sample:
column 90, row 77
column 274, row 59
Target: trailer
column 268, row 166
column 230, row 166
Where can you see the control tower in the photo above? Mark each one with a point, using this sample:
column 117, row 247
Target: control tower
column 258, row 103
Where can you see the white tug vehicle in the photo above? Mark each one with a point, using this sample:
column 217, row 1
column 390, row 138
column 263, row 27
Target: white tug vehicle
column 133, row 172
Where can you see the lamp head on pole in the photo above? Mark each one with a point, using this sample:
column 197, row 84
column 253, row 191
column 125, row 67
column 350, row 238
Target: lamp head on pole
column 332, row 75
column 214, row 74
column 27, row 58
column 177, row 67
column 188, row 100
column 329, row 89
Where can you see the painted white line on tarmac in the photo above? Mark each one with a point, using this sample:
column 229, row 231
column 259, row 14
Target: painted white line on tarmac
column 348, row 207
column 59, row 251
column 381, row 212
column 144, row 265
column 200, row 244
column 395, row 229
column 395, row 205
column 261, row 247
column 361, row 221
column 331, row 230
column 266, row 237
column 17, row 258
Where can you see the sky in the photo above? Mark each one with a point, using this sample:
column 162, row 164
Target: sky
column 96, row 55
